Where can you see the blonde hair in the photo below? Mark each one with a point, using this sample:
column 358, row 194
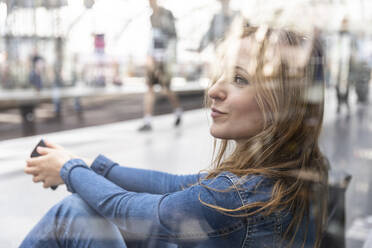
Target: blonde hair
column 286, row 69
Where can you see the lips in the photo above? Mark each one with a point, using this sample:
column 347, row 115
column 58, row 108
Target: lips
column 217, row 113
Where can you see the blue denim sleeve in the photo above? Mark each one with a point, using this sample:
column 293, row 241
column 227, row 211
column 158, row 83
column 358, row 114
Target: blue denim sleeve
column 66, row 169
column 178, row 217
column 141, row 180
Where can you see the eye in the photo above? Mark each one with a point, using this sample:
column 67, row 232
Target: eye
column 239, row 80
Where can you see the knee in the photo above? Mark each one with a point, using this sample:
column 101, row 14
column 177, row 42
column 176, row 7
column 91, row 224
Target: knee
column 81, row 222
column 77, row 222
column 73, row 206
column 71, row 215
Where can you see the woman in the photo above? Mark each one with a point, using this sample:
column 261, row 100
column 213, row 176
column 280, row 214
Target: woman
column 267, row 192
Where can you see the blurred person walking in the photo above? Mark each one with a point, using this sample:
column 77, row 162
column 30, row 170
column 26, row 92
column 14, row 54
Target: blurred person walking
column 267, row 186
column 361, row 68
column 341, row 72
column 76, row 81
column 160, row 62
column 37, row 68
column 218, row 30
column 219, row 25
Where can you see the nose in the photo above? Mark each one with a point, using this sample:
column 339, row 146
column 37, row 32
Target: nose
column 218, row 90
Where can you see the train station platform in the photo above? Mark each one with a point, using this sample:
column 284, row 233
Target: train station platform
column 29, row 112
column 28, row 101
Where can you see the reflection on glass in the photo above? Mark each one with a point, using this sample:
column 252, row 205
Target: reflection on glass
column 260, row 67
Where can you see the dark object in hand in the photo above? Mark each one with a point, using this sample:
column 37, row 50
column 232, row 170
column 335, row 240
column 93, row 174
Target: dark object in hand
column 34, row 153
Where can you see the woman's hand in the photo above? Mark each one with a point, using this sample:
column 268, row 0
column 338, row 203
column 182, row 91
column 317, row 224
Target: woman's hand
column 46, row 167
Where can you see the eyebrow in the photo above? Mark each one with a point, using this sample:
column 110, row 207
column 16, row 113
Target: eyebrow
column 241, row 69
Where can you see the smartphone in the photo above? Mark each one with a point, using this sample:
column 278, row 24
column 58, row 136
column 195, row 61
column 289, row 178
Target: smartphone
column 34, row 153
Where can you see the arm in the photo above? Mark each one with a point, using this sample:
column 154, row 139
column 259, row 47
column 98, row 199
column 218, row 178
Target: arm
column 172, row 27
column 46, row 169
column 140, row 180
column 208, row 36
column 177, row 217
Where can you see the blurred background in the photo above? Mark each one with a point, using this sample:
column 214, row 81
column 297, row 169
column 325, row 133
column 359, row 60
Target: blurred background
column 75, row 71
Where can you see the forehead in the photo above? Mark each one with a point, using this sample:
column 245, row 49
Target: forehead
column 236, row 53
column 254, row 53
column 245, row 51
column 247, row 56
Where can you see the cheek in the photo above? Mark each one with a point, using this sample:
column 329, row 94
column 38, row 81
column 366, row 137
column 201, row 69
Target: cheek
column 246, row 107
column 247, row 119
column 250, row 112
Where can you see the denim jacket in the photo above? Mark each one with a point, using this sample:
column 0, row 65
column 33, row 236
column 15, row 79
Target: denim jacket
column 175, row 209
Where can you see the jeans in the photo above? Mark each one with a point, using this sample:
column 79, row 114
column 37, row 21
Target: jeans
column 73, row 223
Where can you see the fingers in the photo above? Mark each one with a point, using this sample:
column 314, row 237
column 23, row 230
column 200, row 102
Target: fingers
column 37, row 179
column 31, row 170
column 40, row 178
column 33, row 161
column 44, row 150
column 52, row 145
column 46, row 185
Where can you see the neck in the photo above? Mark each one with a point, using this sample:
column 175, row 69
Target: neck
column 240, row 142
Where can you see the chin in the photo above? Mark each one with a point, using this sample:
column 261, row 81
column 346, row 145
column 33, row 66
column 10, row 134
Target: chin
column 219, row 134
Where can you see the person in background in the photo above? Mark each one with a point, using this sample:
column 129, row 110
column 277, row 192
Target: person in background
column 76, row 80
column 219, row 25
column 268, row 183
column 5, row 75
column 341, row 72
column 37, row 67
column 161, row 59
column 218, row 30
column 361, row 69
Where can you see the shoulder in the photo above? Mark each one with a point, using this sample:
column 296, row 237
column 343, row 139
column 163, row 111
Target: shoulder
column 245, row 189
column 166, row 11
column 251, row 188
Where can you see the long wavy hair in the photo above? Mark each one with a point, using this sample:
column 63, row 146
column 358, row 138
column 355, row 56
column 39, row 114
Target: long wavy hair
column 286, row 68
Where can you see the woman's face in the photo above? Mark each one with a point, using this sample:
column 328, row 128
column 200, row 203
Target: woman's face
column 235, row 112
